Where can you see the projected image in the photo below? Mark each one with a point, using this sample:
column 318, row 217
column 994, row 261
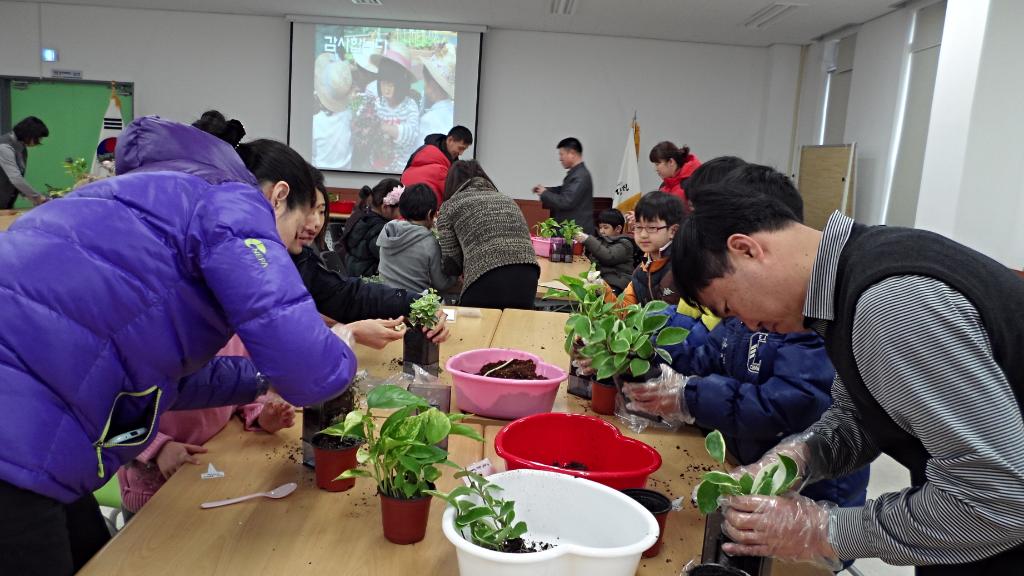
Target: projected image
column 378, row 93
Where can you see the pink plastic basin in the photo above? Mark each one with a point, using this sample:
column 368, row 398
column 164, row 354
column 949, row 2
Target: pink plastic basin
column 498, row 397
column 542, row 246
column 537, row 442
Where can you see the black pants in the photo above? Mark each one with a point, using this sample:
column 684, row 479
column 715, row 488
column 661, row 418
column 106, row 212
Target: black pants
column 1002, row 564
column 41, row 536
column 511, row 286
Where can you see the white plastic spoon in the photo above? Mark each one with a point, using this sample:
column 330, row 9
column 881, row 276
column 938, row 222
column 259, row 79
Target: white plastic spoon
column 279, row 492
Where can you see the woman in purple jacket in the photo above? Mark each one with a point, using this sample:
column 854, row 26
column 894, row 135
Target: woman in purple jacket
column 116, row 298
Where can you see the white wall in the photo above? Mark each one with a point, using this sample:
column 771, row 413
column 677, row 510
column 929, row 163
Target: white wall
column 983, row 206
column 879, row 60
column 535, row 88
column 182, row 63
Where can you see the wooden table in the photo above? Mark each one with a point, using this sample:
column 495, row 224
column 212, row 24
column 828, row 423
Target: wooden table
column 316, row 532
column 7, row 217
column 553, row 271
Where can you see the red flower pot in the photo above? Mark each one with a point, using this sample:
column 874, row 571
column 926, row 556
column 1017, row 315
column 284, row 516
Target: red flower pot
column 405, row 521
column 602, row 397
column 330, row 462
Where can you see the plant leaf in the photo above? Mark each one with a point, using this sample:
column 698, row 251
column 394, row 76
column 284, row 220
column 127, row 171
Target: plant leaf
column 620, row 345
column 517, row 530
column 353, row 473
column 431, row 473
column 435, row 425
column 792, row 471
column 391, row 396
column 467, row 431
column 655, row 306
column 721, row 478
column 472, row 515
column 664, row 355
column 746, row 483
column 763, row 480
column 671, row 336
column 715, row 445
column 654, row 323
column 707, row 497
column 638, row 366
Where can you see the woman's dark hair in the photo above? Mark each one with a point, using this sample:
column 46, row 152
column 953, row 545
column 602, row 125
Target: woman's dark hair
column 374, row 197
column 417, row 202
column 611, row 217
column 320, row 240
column 391, row 71
column 213, row 122
column 665, row 151
column 660, row 206
column 30, row 129
column 461, row 172
column 272, row 161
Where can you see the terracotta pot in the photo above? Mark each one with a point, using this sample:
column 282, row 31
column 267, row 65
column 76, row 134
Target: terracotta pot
column 330, row 463
column 405, row 521
column 656, row 503
column 602, row 397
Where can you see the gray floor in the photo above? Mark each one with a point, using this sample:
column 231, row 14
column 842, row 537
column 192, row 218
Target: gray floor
column 886, row 476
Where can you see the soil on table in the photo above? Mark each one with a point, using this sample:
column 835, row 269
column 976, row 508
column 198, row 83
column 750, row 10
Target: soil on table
column 573, row 465
column 511, row 370
column 331, row 442
column 520, row 546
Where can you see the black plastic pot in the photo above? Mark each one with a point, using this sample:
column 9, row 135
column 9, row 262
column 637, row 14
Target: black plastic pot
column 319, row 416
column 656, row 503
column 578, row 385
column 418, row 349
column 651, row 373
column 557, row 250
column 713, row 558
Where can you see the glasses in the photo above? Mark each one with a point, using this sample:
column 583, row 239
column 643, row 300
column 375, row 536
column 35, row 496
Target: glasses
column 648, row 229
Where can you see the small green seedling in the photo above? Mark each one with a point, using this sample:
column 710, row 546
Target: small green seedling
column 423, row 311
column 772, row 480
column 487, row 521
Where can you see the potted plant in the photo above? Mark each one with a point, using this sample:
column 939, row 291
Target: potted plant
column 417, row 348
column 545, row 231
column 334, row 452
column 626, row 342
column 771, row 480
column 586, row 294
column 402, row 456
column 322, row 415
column 588, row 528
column 568, row 230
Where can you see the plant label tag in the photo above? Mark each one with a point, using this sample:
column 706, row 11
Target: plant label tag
column 211, row 472
column 450, row 313
column 482, row 467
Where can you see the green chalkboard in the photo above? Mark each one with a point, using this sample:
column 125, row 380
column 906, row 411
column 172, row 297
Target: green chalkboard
column 73, row 111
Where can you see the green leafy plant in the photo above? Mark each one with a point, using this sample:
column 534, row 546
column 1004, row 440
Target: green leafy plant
column 586, row 294
column 772, row 480
column 547, row 229
column 77, row 169
column 568, row 229
column 423, row 311
column 627, row 339
column 482, row 517
column 401, row 455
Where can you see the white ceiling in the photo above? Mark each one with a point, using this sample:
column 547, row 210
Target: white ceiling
column 717, row 21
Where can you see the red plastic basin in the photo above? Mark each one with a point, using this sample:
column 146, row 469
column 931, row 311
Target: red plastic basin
column 539, row 441
column 342, row 207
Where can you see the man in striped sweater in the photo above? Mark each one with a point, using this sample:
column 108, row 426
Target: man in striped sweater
column 926, row 339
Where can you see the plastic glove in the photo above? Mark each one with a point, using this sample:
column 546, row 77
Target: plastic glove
column 661, row 396
column 796, row 447
column 791, row 528
column 341, row 331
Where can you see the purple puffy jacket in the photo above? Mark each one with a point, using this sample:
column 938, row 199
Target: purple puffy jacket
column 115, row 299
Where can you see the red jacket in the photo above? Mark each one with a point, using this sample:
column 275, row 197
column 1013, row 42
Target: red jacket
column 428, row 165
column 674, row 184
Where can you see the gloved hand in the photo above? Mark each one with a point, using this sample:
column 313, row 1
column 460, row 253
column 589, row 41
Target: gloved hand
column 791, row 528
column 661, row 396
column 797, row 448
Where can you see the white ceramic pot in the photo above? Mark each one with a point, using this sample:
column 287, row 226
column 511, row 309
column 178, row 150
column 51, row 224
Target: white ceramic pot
column 596, row 530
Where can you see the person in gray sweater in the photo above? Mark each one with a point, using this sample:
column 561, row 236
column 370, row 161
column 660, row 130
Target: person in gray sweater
column 484, row 236
column 14, row 160
column 410, row 257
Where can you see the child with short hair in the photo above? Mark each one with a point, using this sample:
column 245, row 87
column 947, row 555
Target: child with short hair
column 610, row 250
column 658, row 216
column 410, row 257
column 380, row 205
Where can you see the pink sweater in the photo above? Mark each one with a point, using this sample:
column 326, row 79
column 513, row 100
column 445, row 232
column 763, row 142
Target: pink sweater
column 141, row 478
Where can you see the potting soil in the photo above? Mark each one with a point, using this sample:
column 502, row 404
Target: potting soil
column 520, row 546
column 573, row 465
column 512, row 370
column 331, row 442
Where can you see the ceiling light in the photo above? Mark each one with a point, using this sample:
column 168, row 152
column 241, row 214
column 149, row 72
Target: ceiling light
column 367, row 2
column 770, row 14
column 563, row 7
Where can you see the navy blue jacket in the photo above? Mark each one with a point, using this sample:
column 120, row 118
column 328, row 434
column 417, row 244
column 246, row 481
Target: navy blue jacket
column 757, row 388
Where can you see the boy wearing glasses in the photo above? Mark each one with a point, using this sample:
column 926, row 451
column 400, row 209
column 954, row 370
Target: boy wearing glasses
column 658, row 216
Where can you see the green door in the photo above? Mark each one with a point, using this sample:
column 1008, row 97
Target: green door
column 73, row 111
